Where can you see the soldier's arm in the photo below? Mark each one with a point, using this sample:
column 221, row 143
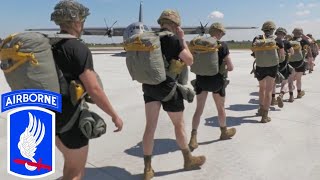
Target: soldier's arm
column 90, row 82
column 291, row 51
column 229, row 63
column 185, row 55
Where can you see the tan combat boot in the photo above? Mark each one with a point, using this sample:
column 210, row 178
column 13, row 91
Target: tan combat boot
column 291, row 98
column 280, row 101
column 193, row 144
column 227, row 133
column 300, row 94
column 265, row 118
column 273, row 101
column 192, row 162
column 259, row 113
column 148, row 171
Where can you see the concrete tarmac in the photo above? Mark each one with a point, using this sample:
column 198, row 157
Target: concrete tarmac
column 286, row 148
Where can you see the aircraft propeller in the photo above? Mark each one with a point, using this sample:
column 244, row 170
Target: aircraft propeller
column 109, row 30
column 202, row 29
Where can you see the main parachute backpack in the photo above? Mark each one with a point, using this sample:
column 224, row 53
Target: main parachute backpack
column 266, row 51
column 27, row 62
column 314, row 49
column 144, row 58
column 299, row 52
column 205, row 54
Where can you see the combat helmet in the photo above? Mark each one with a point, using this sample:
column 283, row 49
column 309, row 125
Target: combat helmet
column 217, row 26
column 297, row 31
column 289, row 37
column 170, row 15
column 281, row 29
column 69, row 11
column 268, row 25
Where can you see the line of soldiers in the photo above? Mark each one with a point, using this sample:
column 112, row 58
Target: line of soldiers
column 76, row 63
column 281, row 59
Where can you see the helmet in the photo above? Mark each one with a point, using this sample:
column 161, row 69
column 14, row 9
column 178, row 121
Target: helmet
column 288, row 37
column 297, row 31
column 281, row 29
column 268, row 25
column 309, row 35
column 171, row 15
column 217, row 26
column 69, row 10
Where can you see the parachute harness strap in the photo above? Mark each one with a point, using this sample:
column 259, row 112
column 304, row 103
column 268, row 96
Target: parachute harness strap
column 265, row 48
column 14, row 54
column 203, row 49
column 137, row 45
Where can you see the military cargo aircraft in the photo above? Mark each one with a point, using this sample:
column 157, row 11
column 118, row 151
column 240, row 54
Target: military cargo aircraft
column 138, row 27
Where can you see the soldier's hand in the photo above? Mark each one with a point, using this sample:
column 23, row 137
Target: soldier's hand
column 180, row 32
column 118, row 123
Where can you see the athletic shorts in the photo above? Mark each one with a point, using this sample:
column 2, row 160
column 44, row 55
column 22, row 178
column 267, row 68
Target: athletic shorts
column 214, row 84
column 299, row 66
column 72, row 139
column 286, row 71
column 262, row 72
column 173, row 105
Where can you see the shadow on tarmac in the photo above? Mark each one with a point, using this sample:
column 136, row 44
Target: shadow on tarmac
column 161, row 146
column 231, row 121
column 121, row 54
column 121, row 173
column 242, row 107
column 115, row 172
column 254, row 94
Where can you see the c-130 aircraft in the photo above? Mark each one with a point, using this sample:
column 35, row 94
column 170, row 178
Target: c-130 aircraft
column 137, row 28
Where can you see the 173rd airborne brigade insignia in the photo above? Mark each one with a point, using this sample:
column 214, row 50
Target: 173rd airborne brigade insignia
column 31, row 132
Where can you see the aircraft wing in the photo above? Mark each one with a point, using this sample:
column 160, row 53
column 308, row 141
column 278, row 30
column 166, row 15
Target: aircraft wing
column 43, row 29
column 200, row 30
column 99, row 31
column 187, row 30
column 118, row 31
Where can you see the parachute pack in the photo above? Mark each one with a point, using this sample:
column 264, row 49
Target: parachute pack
column 205, row 55
column 27, row 62
column 314, row 49
column 299, row 53
column 145, row 61
column 266, row 51
column 144, row 58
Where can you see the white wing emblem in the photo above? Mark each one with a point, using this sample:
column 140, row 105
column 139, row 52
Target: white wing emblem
column 30, row 139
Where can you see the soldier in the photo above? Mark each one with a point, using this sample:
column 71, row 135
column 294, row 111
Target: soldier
column 173, row 47
column 74, row 59
column 301, row 45
column 315, row 51
column 216, row 85
column 284, row 69
column 265, row 48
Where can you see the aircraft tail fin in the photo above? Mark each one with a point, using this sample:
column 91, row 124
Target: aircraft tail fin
column 140, row 12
